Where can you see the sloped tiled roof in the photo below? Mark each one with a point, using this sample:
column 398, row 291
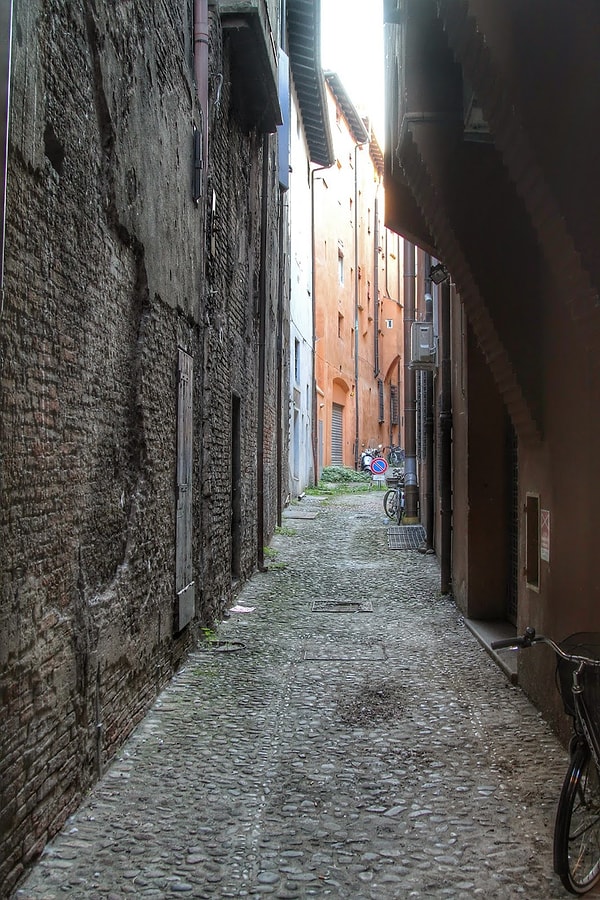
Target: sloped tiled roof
column 359, row 130
column 304, row 45
column 376, row 154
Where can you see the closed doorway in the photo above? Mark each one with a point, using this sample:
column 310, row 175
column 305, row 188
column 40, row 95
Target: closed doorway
column 236, row 488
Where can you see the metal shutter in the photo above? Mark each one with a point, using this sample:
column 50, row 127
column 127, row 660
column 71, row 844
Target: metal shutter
column 337, row 435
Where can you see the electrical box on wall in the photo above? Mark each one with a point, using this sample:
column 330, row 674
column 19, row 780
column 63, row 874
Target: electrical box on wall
column 423, row 346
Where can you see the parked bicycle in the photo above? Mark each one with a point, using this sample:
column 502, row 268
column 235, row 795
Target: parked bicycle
column 393, row 499
column 395, row 456
column 577, row 824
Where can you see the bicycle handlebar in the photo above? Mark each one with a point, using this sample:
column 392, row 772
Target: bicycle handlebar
column 526, row 640
column 529, row 638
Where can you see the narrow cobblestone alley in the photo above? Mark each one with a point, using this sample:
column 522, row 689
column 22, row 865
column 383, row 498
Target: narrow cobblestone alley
column 376, row 753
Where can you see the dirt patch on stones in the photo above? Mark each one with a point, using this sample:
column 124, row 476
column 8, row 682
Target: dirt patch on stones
column 383, row 701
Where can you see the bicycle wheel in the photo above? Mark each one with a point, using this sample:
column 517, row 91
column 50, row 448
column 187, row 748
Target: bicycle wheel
column 390, row 503
column 577, row 828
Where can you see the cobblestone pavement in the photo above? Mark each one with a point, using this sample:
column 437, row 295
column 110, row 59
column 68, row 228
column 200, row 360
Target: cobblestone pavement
column 370, row 754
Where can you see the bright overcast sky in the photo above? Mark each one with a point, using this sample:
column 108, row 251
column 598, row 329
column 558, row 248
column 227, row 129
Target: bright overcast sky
column 352, row 46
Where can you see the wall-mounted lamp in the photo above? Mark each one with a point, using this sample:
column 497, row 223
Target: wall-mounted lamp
column 439, row 273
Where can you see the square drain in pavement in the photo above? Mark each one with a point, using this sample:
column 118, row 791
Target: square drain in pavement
column 299, row 514
column 330, row 651
column 341, row 606
column 406, row 537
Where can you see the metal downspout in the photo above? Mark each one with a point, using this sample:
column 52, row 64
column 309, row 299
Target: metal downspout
column 201, row 68
column 356, row 346
column 262, row 333
column 376, row 356
column 281, row 291
column 6, row 14
column 315, row 406
column 428, row 469
column 356, row 372
column 411, row 489
column 445, row 445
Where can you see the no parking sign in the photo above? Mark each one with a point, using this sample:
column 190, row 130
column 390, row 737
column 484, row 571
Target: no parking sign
column 378, row 466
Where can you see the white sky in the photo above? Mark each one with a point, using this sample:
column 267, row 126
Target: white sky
column 352, row 46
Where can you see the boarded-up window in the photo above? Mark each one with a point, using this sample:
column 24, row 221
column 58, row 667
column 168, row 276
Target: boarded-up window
column 184, row 583
column 532, row 540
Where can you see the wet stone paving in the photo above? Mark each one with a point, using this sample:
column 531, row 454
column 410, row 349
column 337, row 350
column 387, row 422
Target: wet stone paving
column 345, row 736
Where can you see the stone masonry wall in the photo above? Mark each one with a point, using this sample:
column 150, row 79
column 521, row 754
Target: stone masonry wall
column 105, row 280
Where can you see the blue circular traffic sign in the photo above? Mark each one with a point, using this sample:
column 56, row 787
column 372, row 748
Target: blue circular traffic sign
column 378, row 465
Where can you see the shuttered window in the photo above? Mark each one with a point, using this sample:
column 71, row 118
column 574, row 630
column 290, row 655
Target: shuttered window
column 380, row 394
column 393, row 404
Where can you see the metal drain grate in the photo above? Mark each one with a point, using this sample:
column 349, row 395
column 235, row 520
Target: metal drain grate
column 341, row 606
column 406, row 537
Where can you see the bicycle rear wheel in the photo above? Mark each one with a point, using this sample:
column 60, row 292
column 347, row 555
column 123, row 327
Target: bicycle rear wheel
column 390, row 503
column 577, row 828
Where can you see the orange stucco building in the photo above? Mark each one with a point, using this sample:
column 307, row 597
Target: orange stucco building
column 358, row 295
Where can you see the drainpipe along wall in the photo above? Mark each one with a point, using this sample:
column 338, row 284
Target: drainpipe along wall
column 315, row 401
column 5, row 54
column 262, row 334
column 411, row 489
column 356, row 372
column 201, row 68
column 428, row 468
column 280, row 350
column 376, row 285
column 357, row 147
column 445, row 444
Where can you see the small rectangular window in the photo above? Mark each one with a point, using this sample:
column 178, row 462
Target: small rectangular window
column 297, row 361
column 340, row 267
column 532, row 541
column 340, row 322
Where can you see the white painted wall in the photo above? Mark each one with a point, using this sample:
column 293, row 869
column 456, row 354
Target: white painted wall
column 301, row 319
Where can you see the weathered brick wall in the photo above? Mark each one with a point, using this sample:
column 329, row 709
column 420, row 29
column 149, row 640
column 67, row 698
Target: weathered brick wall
column 235, row 187
column 104, row 281
column 230, row 336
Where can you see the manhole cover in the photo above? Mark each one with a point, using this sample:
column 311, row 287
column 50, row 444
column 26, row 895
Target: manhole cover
column 406, row 537
column 341, row 606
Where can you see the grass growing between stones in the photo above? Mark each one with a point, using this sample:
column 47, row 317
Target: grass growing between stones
column 337, row 480
column 271, row 554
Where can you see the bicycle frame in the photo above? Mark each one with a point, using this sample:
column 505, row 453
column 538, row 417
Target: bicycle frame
column 582, row 717
column 577, row 822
